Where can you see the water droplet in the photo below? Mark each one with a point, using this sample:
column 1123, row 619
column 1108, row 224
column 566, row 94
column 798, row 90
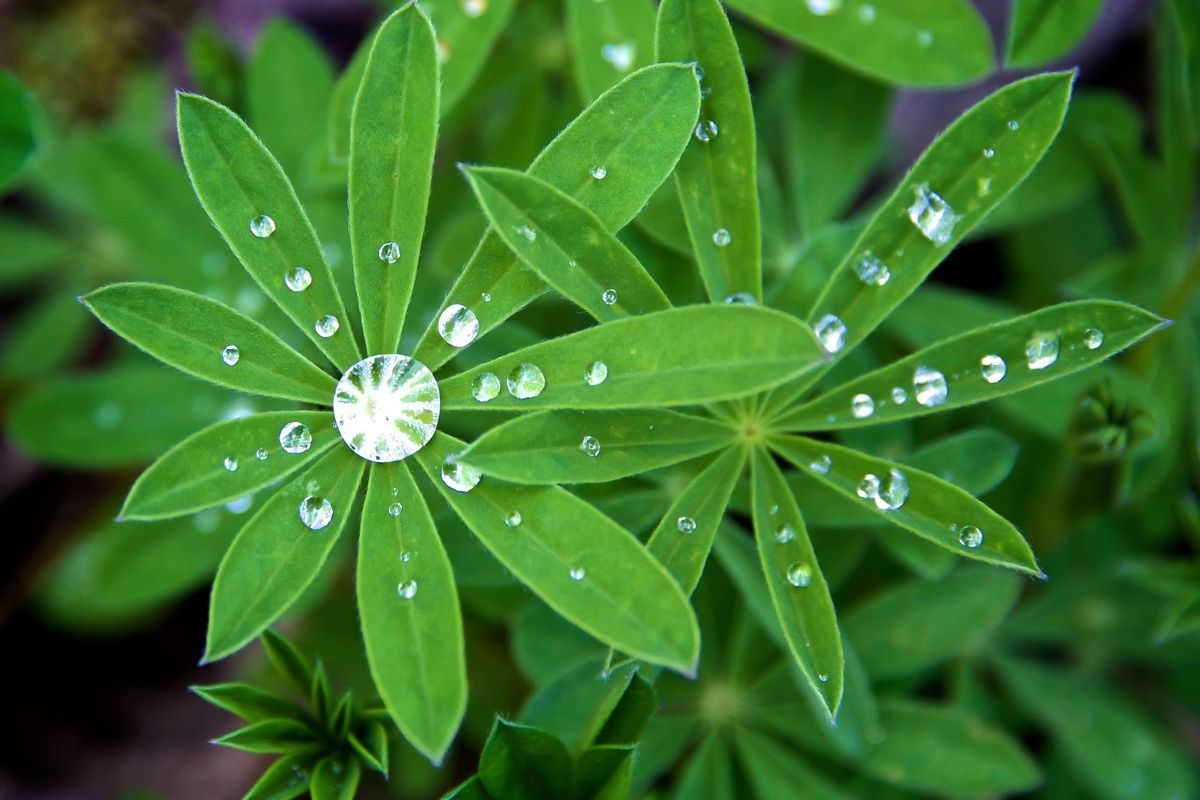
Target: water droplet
column 386, row 407
column 899, row 396
column 599, row 172
column 590, row 446
column 485, row 386
column 572, row 263
column 970, row 536
column 609, row 297
column 685, row 524
column 405, row 556
column 785, row 533
column 474, row 8
column 327, row 326
column 993, row 368
column 231, row 463
column 823, row 8
column 831, row 332
column 741, row 299
column 821, row 464
column 823, row 678
column 871, row 271
column 799, row 575
column 929, row 386
column 458, row 476
column 620, row 56
column 932, row 215
column 297, row 279
column 774, row 509
column 1041, row 350
column 395, row 509
column 924, row 38
column 1093, row 338
column 231, row 354
column 262, row 226
column 526, row 381
column 527, row 233
column 513, row 519
column 315, row 512
column 707, row 131
column 389, row 252
column 458, row 325
column 1013, row 125
column 862, row 406
column 407, row 589
column 295, row 437
column 486, row 297
column 721, row 237
column 261, row 454
column 868, row 487
column 988, row 152
column 866, row 13
column 578, row 573
column 596, row 374
column 892, row 495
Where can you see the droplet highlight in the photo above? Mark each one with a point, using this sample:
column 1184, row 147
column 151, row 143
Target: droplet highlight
column 929, row 386
column 389, row 252
column 386, row 407
column 315, row 512
column 526, row 381
column 1041, row 350
column 871, row 270
column 295, row 437
column 932, row 215
column 685, row 525
column 485, row 386
column 799, row 575
column 722, row 237
column 590, row 446
column 970, row 536
column 262, row 226
column 231, row 354
column 327, row 326
column 862, row 406
column 459, row 476
column 831, row 333
column 993, row 368
column 1093, row 338
column 596, row 373
column 297, row 279
column 458, row 326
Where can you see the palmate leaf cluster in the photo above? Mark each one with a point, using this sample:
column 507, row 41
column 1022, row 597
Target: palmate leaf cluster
column 759, row 426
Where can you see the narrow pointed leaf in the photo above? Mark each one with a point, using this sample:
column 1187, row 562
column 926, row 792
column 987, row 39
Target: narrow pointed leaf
column 933, row 509
column 341, row 105
column 284, row 779
column 292, row 665
column 466, row 33
column 1041, row 31
column 989, row 362
column 578, row 561
column 567, row 245
column 717, row 174
column 195, row 474
column 412, row 625
column 797, row 587
column 238, row 180
column 523, row 762
column 775, row 771
column 276, row 555
column 905, row 42
column 192, row 333
column 578, row 704
column 682, row 356
column 393, row 131
column 636, row 131
column 684, row 537
column 372, row 748
column 709, row 772
column 335, row 777
column 591, row 446
column 608, row 40
column 247, row 701
column 271, row 736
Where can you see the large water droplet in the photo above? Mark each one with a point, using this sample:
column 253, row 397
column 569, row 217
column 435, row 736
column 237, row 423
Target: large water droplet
column 231, row 354
column 386, row 407
column 871, row 270
column 297, row 279
column 799, row 575
column 295, row 437
column 707, row 131
column 1042, row 349
column 823, row 8
column 596, row 374
column 526, row 381
column 407, row 589
column 599, row 172
column 1093, row 338
column 389, row 252
column 459, row 476
column 892, row 495
column 578, row 573
column 590, row 446
column 315, row 512
column 685, row 524
column 785, row 533
column 458, row 325
column 722, row 237
column 993, row 368
column 621, row 56
column 485, row 386
column 862, row 406
column 327, row 326
column 932, row 215
column 970, row 536
column 231, row 464
column 868, row 487
column 831, row 332
column 929, row 386
column 395, row 509
column 609, row 296
column 262, row 226
column 513, row 519
column 821, row 464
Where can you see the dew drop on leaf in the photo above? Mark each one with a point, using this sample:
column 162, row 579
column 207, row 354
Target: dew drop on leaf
column 297, row 279
column 722, row 237
column 932, row 215
column 459, row 476
column 240, row 505
column 823, row 8
column 831, row 332
column 231, row 463
column 458, row 326
column 685, row 524
column 988, row 152
column 261, row 454
column 395, row 509
column 590, row 446
column 596, row 374
column 295, row 437
column 577, row 573
column 327, row 326
column 526, row 232
column 1013, row 125
column 929, row 386
column 707, row 131
column 868, row 487
column 389, row 252
column 741, row 299
column 1093, row 338
column 970, row 536
column 526, row 381
column 485, row 386
column 862, row 406
column 486, row 297
column 785, row 533
column 821, row 464
column 513, row 519
column 231, row 354
column 871, row 270
column 892, row 495
column 386, row 407
column 262, row 226
column 993, row 368
column 315, row 512
column 899, row 396
column 799, row 575
column 599, row 172
column 1041, row 350
column 407, row 590
column 609, row 296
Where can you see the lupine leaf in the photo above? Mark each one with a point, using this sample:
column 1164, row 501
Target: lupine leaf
column 335, row 777
column 797, row 587
column 341, row 104
column 709, row 772
column 545, row 646
column 238, row 180
column 194, row 474
column 523, row 762
column 465, row 39
column 247, row 701
column 905, row 42
column 577, row 705
column 933, row 509
column 271, row 736
column 550, row 446
column 565, row 244
column 276, row 556
column 393, row 131
column 1041, row 31
column 411, row 622
column 284, row 779
column 970, row 372
column 636, row 130
column 608, row 41
column 685, row 552
column 682, row 356
column 191, row 332
column 775, row 771
column 292, row 665
column 604, row 582
column 717, row 173
column 17, row 141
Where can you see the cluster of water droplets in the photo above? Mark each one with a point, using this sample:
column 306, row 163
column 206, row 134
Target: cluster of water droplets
column 888, row 494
